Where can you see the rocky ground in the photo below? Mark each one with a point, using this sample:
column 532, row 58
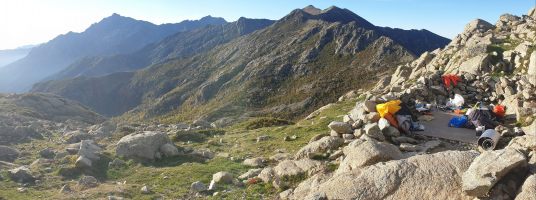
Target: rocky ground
column 338, row 152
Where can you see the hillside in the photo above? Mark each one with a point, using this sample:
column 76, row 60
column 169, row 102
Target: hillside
column 112, row 35
column 180, row 45
column 288, row 69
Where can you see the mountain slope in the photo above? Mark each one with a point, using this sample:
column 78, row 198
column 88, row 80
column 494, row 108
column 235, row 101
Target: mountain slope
column 113, row 35
column 288, row 69
column 12, row 55
column 180, row 45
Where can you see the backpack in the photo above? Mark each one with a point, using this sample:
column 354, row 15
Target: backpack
column 482, row 117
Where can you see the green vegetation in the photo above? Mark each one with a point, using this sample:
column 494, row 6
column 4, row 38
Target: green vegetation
column 265, row 122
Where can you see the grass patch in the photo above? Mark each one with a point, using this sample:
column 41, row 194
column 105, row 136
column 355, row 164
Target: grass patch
column 265, row 122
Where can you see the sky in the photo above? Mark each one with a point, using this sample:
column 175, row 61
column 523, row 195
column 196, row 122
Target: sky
column 26, row 22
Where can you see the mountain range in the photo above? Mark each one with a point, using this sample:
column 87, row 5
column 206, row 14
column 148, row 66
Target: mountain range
column 245, row 68
column 111, row 36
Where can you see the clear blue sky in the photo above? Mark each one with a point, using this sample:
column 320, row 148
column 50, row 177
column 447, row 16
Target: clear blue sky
column 36, row 21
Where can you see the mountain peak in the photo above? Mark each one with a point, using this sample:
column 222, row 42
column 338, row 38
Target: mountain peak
column 312, row 10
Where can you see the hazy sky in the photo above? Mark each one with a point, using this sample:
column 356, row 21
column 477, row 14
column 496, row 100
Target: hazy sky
column 24, row 22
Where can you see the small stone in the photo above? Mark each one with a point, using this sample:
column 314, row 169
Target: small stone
column 66, row 189
column 369, row 106
column 373, row 131
column 145, row 190
column 348, row 136
column 88, row 182
column 262, row 138
column 409, row 147
column 254, row 162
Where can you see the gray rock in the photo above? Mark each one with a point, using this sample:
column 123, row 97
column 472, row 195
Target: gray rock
column 8, row 154
column 262, row 138
column 267, row 174
column 404, row 139
column 117, row 163
column 66, row 189
column 254, row 162
column 88, row 182
column 222, row 177
column 373, row 131
column 143, row 146
column 290, row 168
column 409, row 147
column 145, row 190
column 198, row 186
column 250, row 174
column 47, row 153
column 391, row 132
column 341, row 127
column 478, row 25
column 21, row 175
column 320, row 146
column 285, row 194
column 76, row 136
column 169, row 150
column 488, row 169
column 360, row 153
column 369, row 106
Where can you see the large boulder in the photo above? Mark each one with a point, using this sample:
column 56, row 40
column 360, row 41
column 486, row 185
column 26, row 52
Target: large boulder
column 432, row 176
column 526, row 143
column 532, row 64
column 478, row 25
column 528, row 190
column 145, row 146
column 531, row 129
column 8, row 154
column 319, row 146
column 254, row 162
column 488, row 169
column 360, row 153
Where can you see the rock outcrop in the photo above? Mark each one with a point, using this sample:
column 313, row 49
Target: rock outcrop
column 434, row 176
column 145, row 146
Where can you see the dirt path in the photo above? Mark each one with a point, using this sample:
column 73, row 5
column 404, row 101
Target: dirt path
column 439, row 128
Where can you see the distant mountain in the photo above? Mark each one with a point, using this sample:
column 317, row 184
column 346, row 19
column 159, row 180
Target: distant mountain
column 304, row 60
column 180, row 45
column 11, row 55
column 111, row 36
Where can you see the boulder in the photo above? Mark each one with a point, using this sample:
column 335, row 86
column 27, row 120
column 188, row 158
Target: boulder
column 369, row 106
column 431, row 176
column 373, row 131
column 8, row 154
column 222, row 177
column 391, row 132
column 254, row 162
column 143, row 146
column 478, row 25
column 532, row 64
column 76, row 136
column 532, row 13
column 289, row 168
column 267, row 174
column 475, row 65
column 528, row 190
column 88, row 182
column 360, row 153
column 169, row 150
column 21, row 175
column 47, row 153
column 341, row 127
column 319, row 146
column 198, row 186
column 488, row 168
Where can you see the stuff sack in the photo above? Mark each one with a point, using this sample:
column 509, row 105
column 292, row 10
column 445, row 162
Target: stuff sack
column 458, row 121
column 482, row 117
column 499, row 111
column 390, row 107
